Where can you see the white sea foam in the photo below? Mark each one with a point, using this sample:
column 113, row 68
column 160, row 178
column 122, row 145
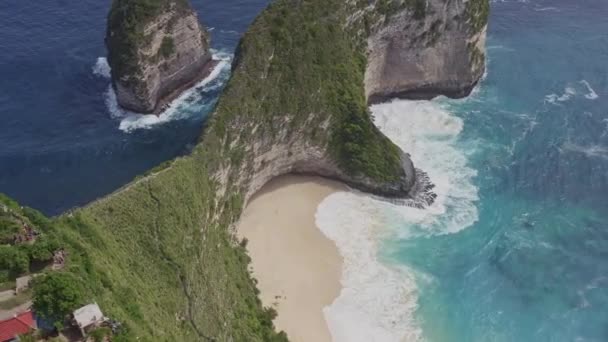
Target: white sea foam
column 499, row 47
column 379, row 299
column 545, row 9
column 377, row 303
column 102, row 68
column 571, row 90
column 592, row 151
column 567, row 95
column 191, row 98
column 591, row 95
column 187, row 104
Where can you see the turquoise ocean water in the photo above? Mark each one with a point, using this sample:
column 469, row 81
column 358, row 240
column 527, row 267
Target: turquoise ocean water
column 516, row 247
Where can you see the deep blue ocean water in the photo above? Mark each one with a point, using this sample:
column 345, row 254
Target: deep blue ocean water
column 521, row 255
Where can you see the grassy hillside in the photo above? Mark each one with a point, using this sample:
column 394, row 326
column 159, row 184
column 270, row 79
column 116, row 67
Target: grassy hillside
column 159, row 263
column 149, row 258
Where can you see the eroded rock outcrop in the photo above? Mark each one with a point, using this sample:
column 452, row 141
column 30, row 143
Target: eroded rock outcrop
column 297, row 156
column 157, row 49
column 419, row 49
column 415, row 49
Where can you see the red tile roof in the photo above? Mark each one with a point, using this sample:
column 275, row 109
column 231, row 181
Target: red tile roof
column 18, row 325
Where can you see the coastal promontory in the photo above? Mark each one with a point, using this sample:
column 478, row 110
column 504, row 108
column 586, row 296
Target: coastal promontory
column 156, row 49
column 160, row 254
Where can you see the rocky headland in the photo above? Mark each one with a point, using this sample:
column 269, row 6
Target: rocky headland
column 413, row 49
column 160, row 254
column 156, row 50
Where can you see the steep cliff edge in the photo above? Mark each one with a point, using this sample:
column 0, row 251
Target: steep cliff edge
column 296, row 99
column 419, row 49
column 157, row 49
column 159, row 255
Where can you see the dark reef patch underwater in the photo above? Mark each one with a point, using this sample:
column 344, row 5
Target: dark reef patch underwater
column 516, row 247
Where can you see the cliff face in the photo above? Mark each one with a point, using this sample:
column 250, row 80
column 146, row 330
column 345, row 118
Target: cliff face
column 296, row 104
column 299, row 156
column 419, row 49
column 155, row 53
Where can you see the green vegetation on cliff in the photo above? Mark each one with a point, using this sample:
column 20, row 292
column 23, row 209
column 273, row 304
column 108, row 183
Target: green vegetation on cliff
column 311, row 70
column 24, row 242
column 478, row 12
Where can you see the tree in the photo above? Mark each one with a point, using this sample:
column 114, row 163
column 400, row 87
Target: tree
column 14, row 260
column 57, row 295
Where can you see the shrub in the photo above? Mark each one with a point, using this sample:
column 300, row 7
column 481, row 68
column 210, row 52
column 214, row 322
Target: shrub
column 43, row 250
column 99, row 334
column 14, row 260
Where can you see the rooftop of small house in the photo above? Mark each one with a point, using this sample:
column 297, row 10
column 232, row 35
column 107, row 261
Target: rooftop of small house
column 87, row 315
column 18, row 325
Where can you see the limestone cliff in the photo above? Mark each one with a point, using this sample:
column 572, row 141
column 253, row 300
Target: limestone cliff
column 296, row 104
column 157, row 49
column 419, row 49
column 342, row 56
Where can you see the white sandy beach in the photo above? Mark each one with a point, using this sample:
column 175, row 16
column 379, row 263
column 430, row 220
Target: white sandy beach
column 298, row 269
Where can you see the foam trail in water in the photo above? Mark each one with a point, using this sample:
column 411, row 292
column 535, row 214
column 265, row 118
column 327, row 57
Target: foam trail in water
column 187, row 104
column 544, row 9
column 570, row 92
column 379, row 299
column 592, row 151
column 591, row 95
column 567, row 95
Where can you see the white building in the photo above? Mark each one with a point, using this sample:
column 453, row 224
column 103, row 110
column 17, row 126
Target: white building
column 88, row 318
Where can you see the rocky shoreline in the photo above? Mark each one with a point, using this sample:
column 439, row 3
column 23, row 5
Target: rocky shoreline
column 428, row 92
column 201, row 74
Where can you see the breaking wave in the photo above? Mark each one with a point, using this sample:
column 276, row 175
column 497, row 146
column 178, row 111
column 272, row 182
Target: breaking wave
column 102, row 68
column 190, row 103
column 379, row 296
